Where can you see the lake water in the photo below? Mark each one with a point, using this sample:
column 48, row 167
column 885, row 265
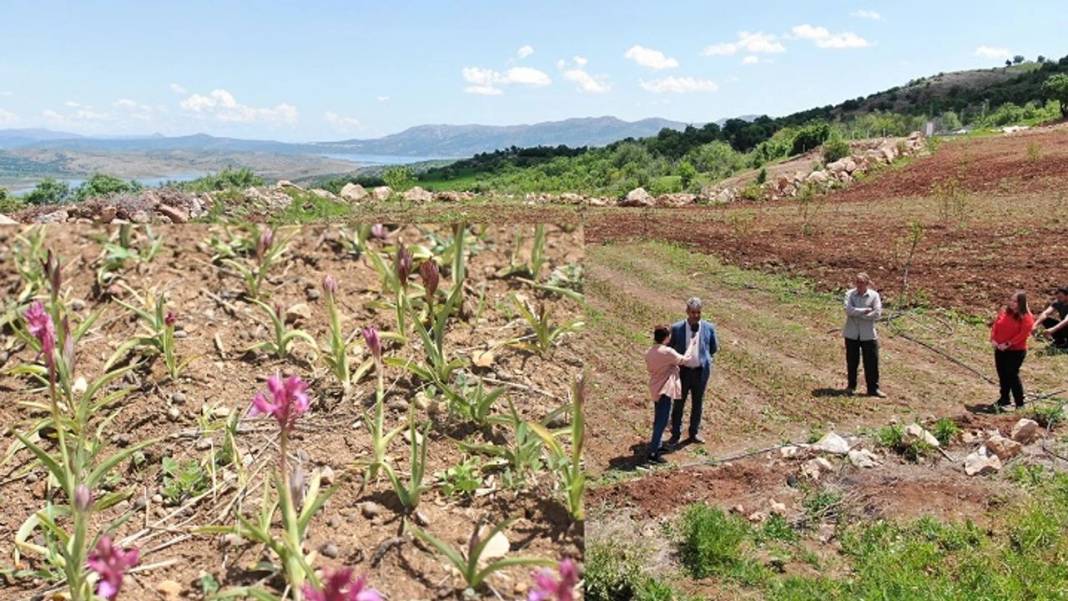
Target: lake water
column 378, row 159
column 148, row 182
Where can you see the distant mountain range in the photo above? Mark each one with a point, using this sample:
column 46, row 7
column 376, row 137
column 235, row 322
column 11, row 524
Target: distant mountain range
column 445, row 141
column 466, row 140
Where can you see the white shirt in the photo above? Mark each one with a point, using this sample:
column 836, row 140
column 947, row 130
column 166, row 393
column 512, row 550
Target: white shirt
column 694, row 361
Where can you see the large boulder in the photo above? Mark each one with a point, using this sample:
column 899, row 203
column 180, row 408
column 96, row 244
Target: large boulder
column 915, row 433
column 175, row 214
column 449, row 196
column 1026, row 431
column 353, row 192
column 843, row 165
column 418, row 195
column 5, row 220
column 284, row 183
column 638, row 197
column 863, row 458
column 678, row 199
column 382, row 193
column 1004, row 448
column 59, row 216
column 832, row 443
column 819, row 177
column 980, row 463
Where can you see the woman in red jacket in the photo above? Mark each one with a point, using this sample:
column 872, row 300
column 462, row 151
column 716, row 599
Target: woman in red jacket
column 1009, row 339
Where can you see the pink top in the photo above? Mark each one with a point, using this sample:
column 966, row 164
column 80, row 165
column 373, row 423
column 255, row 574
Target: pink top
column 663, row 363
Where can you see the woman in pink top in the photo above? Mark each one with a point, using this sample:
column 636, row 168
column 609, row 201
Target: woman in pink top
column 1009, row 336
column 664, row 385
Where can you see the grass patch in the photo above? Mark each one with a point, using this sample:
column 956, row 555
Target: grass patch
column 711, row 545
column 614, row 573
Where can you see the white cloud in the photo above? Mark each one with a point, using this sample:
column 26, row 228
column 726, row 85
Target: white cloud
column 7, row 117
column 586, row 82
column 178, row 89
column 679, row 85
column 136, row 110
column 752, row 59
column 382, row 98
column 993, row 52
column 575, row 71
column 223, row 106
column 488, row 82
column 823, row 38
column 341, row 121
column 753, row 43
column 648, row 57
column 866, row 14
column 524, row 51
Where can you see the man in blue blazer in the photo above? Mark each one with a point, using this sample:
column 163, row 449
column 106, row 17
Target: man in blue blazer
column 695, row 375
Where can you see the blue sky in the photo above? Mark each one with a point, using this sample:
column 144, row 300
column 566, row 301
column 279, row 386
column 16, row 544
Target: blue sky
column 330, row 70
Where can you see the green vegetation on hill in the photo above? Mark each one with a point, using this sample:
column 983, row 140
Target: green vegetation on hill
column 687, row 160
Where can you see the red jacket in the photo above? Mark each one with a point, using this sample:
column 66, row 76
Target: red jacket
column 1012, row 330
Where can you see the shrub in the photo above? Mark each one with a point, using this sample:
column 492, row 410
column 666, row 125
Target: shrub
column 9, row 203
column 809, row 137
column 227, row 179
column 711, row 541
column 945, row 430
column 48, row 191
column 835, row 148
column 762, row 176
column 1056, row 88
column 103, row 185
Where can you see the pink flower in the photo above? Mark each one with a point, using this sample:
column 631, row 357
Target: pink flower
column 378, row 231
column 41, row 327
column 111, row 564
column 170, row 319
column 548, row 588
column 340, row 586
column 290, row 400
column 431, row 276
column 370, row 336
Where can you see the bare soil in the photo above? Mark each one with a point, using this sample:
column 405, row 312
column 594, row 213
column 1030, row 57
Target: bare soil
column 222, row 379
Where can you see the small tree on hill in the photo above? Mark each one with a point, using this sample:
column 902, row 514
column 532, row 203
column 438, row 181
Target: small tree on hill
column 1019, row 58
column 1008, row 63
column 1056, row 88
column 48, row 191
column 397, row 178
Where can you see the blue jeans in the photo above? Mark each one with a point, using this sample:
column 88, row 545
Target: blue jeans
column 661, row 412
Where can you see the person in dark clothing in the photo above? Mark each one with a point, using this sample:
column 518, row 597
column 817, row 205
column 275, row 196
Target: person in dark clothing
column 1054, row 320
column 694, row 373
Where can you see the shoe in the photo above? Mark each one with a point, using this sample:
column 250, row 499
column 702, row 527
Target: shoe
column 1000, row 406
column 657, row 459
column 696, row 439
column 850, row 391
column 877, row 393
column 673, row 442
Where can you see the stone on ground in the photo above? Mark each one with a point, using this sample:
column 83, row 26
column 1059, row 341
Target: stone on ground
column 863, row 458
column 1026, row 431
column 638, row 197
column 980, row 463
column 915, row 433
column 1004, row 448
column 382, row 193
column 832, row 443
column 418, row 195
column 353, row 192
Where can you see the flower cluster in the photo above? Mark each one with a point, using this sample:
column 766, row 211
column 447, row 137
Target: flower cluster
column 43, row 329
column 341, row 586
column 111, row 563
column 290, row 400
column 548, row 588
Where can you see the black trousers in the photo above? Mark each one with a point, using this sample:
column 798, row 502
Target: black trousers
column 869, row 350
column 694, row 388
column 1060, row 337
column 1008, row 365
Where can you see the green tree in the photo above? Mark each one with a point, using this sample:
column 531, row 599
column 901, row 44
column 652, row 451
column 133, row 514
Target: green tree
column 103, row 185
column 835, row 148
column 398, row 178
column 1056, row 88
column 1019, row 58
column 49, row 191
column 687, row 172
column 950, row 121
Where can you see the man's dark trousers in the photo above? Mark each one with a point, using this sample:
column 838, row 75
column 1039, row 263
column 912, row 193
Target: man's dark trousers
column 1060, row 337
column 693, row 386
column 869, row 349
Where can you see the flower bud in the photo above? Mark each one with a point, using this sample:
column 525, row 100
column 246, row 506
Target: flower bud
column 264, row 243
column 330, row 285
column 170, row 319
column 370, row 336
column 428, row 271
column 378, row 231
column 403, row 264
column 83, row 498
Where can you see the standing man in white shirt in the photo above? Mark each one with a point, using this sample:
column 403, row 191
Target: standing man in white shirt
column 694, row 373
column 863, row 308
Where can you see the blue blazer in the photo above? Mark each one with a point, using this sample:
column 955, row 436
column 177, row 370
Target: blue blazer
column 707, row 347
